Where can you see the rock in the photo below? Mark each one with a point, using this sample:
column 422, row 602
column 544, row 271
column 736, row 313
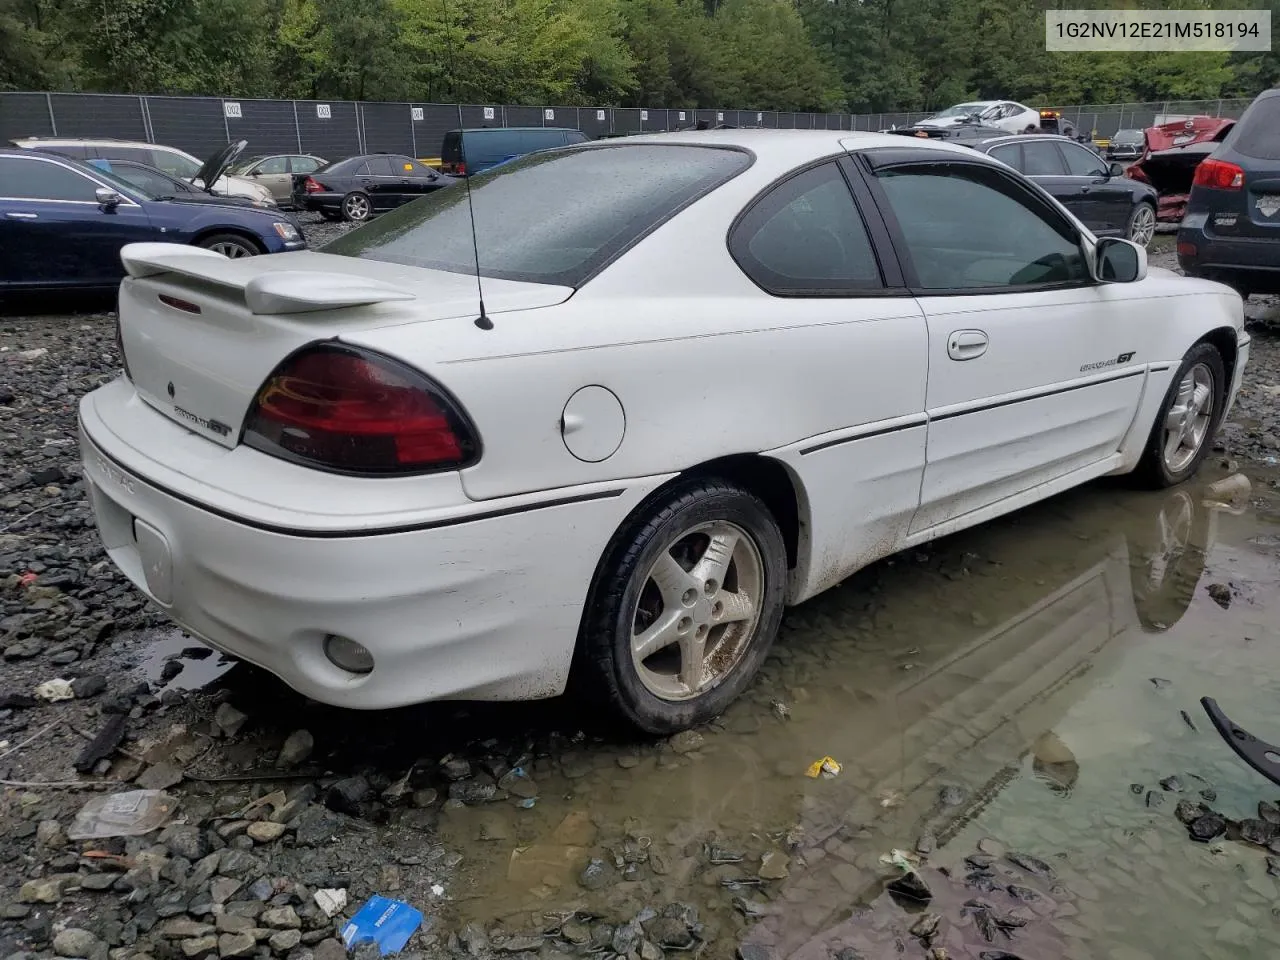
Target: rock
column 330, row 950
column 627, row 938
column 1273, row 867
column 264, row 831
column 51, row 835
column 42, row 890
column 161, row 776
column 230, row 923
column 1189, row 811
column 199, row 947
column 1171, row 784
column 237, row 863
column 236, row 944
column 285, row 940
column 1258, row 831
column 952, row 795
column 366, row 950
column 649, row 951
column 90, row 686
column 1154, row 799
column 24, row 650
column 1236, row 933
column 261, row 890
column 229, row 722
column 670, row 933
column 98, row 882
column 76, row 943
column 912, row 887
column 774, row 866
column 454, row 768
column 756, row 951
column 1209, row 795
column 185, row 841
column 223, row 889
column 595, row 875
column 472, row 791
column 281, row 918
column 1268, row 812
column 184, row 928
column 1033, row 865
column 1220, row 594
column 926, row 927
column 926, row 843
column 424, row 797
column 1137, row 789
column 296, row 749
column 1022, row 893
column 347, row 795
column 474, row 939
column 17, row 701
column 1208, row 827
column 686, row 741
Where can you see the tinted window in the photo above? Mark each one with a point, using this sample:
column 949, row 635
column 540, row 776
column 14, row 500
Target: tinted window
column 1127, row 136
column 1040, row 158
column 33, row 179
column 421, row 170
column 1258, row 132
column 550, row 218
column 273, row 165
column 304, row 164
column 378, row 167
column 1010, row 154
column 402, row 166
column 1082, row 162
column 150, row 182
column 575, row 136
column 806, row 236
column 969, row 227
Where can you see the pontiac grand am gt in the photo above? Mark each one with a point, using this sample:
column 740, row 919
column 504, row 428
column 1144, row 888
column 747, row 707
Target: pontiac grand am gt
column 714, row 374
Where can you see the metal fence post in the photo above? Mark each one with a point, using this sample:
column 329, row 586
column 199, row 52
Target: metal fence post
column 297, row 127
column 226, row 127
column 53, row 124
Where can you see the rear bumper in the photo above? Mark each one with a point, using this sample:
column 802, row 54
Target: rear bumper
column 469, row 606
column 317, row 202
column 1246, row 264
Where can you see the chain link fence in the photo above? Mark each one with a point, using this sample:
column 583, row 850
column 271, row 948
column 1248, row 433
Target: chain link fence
column 336, row 129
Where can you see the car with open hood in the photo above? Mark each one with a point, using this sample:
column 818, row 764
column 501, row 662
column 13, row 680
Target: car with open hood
column 605, row 414
column 63, row 224
column 171, row 160
column 1172, row 153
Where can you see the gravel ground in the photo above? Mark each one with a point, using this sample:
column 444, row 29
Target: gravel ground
column 236, row 874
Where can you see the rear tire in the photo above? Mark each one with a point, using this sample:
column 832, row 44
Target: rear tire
column 1142, row 224
column 684, row 607
column 230, row 245
column 356, row 207
column 1187, row 420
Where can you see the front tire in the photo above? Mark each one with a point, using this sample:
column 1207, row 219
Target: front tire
column 356, row 207
column 1188, row 419
column 1142, row 224
column 684, row 607
column 230, row 245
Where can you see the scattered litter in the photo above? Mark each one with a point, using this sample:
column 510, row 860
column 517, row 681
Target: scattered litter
column 1231, row 490
column 826, row 768
column 331, row 901
column 907, row 862
column 527, row 804
column 128, row 814
column 54, row 690
column 780, row 709
column 437, row 890
column 388, row 923
column 28, row 578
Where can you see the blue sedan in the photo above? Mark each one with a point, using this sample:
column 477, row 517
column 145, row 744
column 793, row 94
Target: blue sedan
column 63, row 222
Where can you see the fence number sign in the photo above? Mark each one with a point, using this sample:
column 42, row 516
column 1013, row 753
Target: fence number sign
column 231, row 109
column 548, row 114
column 323, row 111
column 759, row 118
column 682, row 115
column 719, row 117
column 599, row 114
column 415, row 113
column 489, row 113
column 644, row 114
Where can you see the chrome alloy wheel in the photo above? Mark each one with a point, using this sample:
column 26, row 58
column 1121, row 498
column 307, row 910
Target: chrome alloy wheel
column 233, row 248
column 356, row 207
column 1186, row 425
column 697, row 610
column 1144, row 225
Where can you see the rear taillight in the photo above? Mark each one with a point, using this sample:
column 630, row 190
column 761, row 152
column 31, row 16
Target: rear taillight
column 1219, row 174
column 311, row 185
column 458, row 169
column 346, row 409
column 1136, row 173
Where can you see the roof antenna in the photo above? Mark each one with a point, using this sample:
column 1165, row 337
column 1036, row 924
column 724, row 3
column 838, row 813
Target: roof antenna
column 482, row 321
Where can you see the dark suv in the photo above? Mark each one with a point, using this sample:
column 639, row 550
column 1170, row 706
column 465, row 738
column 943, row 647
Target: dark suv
column 1231, row 229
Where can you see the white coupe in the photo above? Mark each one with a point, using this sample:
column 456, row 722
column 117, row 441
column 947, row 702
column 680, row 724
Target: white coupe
column 1002, row 114
column 715, row 373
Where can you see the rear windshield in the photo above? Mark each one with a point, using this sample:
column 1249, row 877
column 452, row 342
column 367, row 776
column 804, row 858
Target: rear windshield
column 553, row 217
column 451, row 149
column 1258, row 132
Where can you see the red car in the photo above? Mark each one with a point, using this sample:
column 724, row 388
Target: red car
column 1172, row 153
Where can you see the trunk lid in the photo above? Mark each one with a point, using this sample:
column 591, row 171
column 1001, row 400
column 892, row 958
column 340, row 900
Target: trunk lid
column 201, row 333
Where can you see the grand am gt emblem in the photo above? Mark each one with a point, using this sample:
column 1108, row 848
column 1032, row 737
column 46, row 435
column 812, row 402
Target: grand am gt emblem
column 1269, row 204
column 1104, row 364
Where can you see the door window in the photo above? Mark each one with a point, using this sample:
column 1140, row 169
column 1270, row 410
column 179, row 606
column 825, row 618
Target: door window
column 967, row 226
column 149, row 181
column 304, row 164
column 23, row 179
column 272, row 165
column 378, row 167
column 174, row 164
column 1082, row 162
column 1040, row 158
column 1010, row 154
column 807, row 237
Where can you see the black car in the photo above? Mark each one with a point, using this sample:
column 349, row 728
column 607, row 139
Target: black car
column 1098, row 193
column 1126, row 145
column 357, row 188
column 1231, row 229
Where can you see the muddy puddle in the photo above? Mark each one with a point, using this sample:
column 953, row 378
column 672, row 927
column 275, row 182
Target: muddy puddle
column 1016, row 693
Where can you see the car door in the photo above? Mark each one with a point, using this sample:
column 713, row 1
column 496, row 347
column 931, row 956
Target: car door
column 410, row 179
column 273, row 173
column 1032, row 372
column 55, row 232
column 377, row 178
column 1108, row 198
column 860, row 357
column 421, row 179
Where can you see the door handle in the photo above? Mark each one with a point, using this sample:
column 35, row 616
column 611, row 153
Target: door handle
column 966, row 344
column 22, row 216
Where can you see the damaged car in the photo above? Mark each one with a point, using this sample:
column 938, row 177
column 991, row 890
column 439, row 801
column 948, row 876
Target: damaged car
column 1173, row 151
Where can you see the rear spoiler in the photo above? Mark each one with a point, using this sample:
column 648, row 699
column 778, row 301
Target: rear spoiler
column 265, row 291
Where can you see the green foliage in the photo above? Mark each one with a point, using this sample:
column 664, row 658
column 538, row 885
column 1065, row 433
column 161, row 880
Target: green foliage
column 808, row 55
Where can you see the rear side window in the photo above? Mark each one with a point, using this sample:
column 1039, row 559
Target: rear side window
column 273, row 165
column 304, row 164
column 806, row 237
column 1010, row 154
column 23, row 179
column 547, row 217
column 1258, row 132
column 1040, row 158
column 378, row 167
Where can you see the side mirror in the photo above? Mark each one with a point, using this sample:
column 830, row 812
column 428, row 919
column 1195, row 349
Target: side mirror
column 1115, row 170
column 1119, row 261
column 108, row 199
